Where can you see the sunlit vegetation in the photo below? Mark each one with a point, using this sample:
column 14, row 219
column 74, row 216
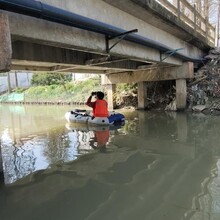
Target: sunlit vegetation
column 61, row 89
column 58, row 87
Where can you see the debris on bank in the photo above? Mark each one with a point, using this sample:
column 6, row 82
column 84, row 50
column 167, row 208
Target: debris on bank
column 203, row 92
column 161, row 96
column 127, row 99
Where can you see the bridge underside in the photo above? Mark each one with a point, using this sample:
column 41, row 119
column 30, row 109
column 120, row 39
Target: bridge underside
column 142, row 64
column 38, row 57
column 118, row 69
column 33, row 44
column 40, row 45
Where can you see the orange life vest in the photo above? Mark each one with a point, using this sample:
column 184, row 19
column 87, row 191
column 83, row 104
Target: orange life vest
column 101, row 108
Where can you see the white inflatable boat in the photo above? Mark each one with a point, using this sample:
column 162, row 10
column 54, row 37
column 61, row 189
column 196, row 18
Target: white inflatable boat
column 84, row 116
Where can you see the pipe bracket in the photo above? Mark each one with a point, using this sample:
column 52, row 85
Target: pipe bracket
column 169, row 53
column 120, row 37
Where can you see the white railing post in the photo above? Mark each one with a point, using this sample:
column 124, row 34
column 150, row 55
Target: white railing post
column 206, row 28
column 195, row 17
column 178, row 9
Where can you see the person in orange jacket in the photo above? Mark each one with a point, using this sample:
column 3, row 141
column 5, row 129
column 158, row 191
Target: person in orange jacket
column 100, row 106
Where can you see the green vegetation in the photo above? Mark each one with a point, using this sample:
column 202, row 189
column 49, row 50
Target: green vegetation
column 59, row 87
column 47, row 79
column 19, row 90
column 126, row 87
column 68, row 91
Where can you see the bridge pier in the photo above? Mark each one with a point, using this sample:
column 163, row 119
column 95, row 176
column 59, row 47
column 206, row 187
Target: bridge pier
column 181, row 94
column 5, row 44
column 142, row 95
column 111, row 89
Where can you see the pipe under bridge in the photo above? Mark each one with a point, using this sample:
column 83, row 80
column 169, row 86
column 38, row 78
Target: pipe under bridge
column 126, row 41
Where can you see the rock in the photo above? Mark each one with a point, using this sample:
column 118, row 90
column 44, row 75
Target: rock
column 198, row 108
column 171, row 106
column 211, row 111
column 215, row 112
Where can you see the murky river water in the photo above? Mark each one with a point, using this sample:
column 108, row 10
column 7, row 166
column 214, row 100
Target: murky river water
column 157, row 167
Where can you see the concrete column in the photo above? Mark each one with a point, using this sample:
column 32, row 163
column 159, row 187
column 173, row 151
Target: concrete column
column 181, row 94
column 142, row 95
column 5, row 44
column 111, row 89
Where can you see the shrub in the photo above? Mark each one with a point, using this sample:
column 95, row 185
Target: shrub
column 19, row 90
column 69, row 91
column 46, row 79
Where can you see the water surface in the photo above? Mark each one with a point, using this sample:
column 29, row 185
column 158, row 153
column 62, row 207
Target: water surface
column 159, row 166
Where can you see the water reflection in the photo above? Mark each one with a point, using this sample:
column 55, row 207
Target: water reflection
column 158, row 166
column 26, row 155
column 30, row 142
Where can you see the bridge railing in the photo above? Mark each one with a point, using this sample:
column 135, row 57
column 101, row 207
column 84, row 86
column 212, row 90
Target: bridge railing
column 187, row 13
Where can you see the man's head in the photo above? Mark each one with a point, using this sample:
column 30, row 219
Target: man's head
column 100, row 95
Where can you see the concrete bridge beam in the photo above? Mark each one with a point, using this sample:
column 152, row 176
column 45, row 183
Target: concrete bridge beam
column 156, row 73
column 5, row 44
column 28, row 29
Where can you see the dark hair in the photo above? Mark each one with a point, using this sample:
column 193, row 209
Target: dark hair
column 100, row 95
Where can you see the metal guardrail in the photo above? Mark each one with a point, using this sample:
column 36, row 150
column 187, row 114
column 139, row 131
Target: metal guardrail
column 187, row 13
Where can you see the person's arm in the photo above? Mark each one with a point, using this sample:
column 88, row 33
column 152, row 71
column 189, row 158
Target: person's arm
column 90, row 103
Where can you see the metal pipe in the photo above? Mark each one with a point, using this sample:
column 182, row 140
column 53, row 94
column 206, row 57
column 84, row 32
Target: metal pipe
column 50, row 13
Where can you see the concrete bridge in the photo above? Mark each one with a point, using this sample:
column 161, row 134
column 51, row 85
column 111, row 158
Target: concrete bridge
column 126, row 41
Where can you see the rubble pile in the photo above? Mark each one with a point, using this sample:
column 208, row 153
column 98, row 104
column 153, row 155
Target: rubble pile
column 127, row 99
column 160, row 95
column 203, row 92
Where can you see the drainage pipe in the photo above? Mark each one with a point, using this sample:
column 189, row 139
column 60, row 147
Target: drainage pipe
column 50, row 13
